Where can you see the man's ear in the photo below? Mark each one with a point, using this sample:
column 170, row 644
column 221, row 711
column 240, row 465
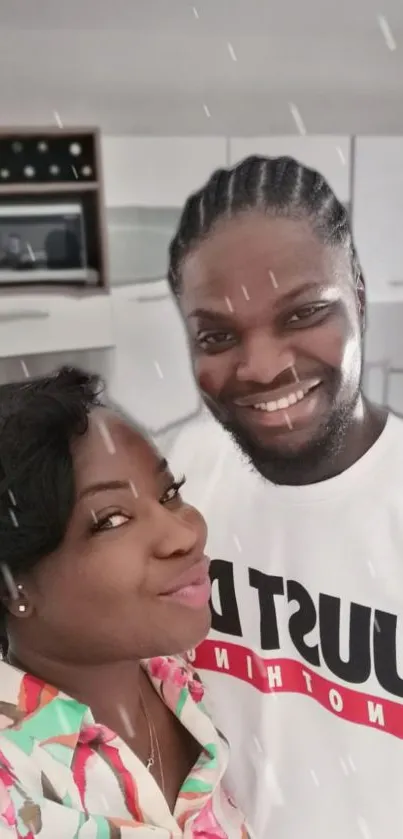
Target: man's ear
column 362, row 300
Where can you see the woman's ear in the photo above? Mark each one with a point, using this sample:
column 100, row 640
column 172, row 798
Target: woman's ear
column 14, row 596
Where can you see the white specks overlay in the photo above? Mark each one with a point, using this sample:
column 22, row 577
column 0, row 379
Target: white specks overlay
column 196, row 13
column 341, row 154
column 75, row 173
column 124, row 716
column 12, row 498
column 237, row 543
column 133, row 489
column 24, row 369
column 288, row 420
column 245, row 292
column 351, row 764
column 387, row 33
column 9, row 581
column 206, row 110
column 229, row 304
column 57, row 119
column 314, row 777
column 106, row 436
column 13, row 517
column 376, row 624
column 158, row 369
column 297, row 118
column 273, row 279
column 232, row 51
column 371, row 569
column 364, row 829
column 344, row 767
column 294, row 373
column 94, row 516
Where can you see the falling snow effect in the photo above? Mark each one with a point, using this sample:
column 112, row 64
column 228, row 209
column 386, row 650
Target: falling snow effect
column 237, row 543
column 57, row 119
column 364, row 829
column 245, row 292
column 288, row 420
column 387, row 33
column 273, row 279
column 232, row 51
column 158, row 369
column 314, row 777
column 229, row 304
column 126, row 721
column 133, row 489
column 9, row 581
column 297, row 118
column 12, row 498
column 13, row 517
column 25, row 369
column 106, row 436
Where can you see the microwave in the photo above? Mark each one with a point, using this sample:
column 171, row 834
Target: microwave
column 44, row 243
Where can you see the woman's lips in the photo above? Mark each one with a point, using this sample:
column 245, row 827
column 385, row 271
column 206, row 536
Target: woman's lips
column 196, row 595
column 191, row 588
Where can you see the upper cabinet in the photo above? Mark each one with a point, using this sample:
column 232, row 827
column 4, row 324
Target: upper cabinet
column 158, row 171
column 139, row 240
column 378, row 214
column 329, row 155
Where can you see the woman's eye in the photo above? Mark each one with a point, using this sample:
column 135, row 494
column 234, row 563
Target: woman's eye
column 109, row 522
column 307, row 312
column 173, row 491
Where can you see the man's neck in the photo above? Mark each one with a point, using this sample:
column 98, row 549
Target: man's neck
column 363, row 431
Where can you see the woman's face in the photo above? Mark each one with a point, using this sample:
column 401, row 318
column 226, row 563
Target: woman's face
column 130, row 579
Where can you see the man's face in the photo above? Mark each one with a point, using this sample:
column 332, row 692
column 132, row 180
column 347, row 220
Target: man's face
column 275, row 327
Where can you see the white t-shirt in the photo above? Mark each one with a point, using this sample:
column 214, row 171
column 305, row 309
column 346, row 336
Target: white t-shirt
column 304, row 667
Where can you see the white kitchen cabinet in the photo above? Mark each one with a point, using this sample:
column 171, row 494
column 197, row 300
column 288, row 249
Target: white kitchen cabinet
column 158, row 171
column 35, row 324
column 329, row 155
column 377, row 215
column 138, row 239
column 152, row 378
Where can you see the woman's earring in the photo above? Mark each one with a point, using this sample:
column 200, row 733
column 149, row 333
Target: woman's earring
column 22, row 606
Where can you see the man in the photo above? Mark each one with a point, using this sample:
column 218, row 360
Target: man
column 301, row 484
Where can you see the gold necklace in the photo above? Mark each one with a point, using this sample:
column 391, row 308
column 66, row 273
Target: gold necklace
column 153, row 740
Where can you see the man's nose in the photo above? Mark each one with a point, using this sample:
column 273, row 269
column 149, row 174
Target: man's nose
column 263, row 357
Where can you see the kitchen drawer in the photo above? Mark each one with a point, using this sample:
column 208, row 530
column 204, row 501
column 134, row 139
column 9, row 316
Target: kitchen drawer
column 33, row 324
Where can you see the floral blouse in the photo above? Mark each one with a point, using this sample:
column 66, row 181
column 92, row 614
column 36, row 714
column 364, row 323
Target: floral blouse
column 62, row 776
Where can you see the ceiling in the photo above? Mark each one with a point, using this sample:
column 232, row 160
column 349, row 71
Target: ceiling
column 166, row 67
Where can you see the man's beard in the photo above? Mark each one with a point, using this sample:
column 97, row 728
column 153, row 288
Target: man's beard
column 310, row 463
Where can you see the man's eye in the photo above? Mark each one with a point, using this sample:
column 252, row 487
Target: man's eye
column 308, row 313
column 214, row 339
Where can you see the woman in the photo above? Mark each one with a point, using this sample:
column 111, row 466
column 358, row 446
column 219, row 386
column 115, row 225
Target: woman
column 104, row 585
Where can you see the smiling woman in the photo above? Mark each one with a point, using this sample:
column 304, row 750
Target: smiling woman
column 105, row 584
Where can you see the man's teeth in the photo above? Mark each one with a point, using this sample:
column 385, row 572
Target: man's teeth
column 281, row 404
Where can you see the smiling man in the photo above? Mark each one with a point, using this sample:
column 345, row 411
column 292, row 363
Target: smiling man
column 304, row 668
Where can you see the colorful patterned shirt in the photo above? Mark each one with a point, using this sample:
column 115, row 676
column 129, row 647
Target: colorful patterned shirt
column 63, row 776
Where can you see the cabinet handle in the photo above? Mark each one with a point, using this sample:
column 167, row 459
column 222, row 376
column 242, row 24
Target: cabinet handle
column 143, row 299
column 23, row 314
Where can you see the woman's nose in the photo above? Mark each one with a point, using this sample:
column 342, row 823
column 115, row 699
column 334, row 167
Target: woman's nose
column 180, row 533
